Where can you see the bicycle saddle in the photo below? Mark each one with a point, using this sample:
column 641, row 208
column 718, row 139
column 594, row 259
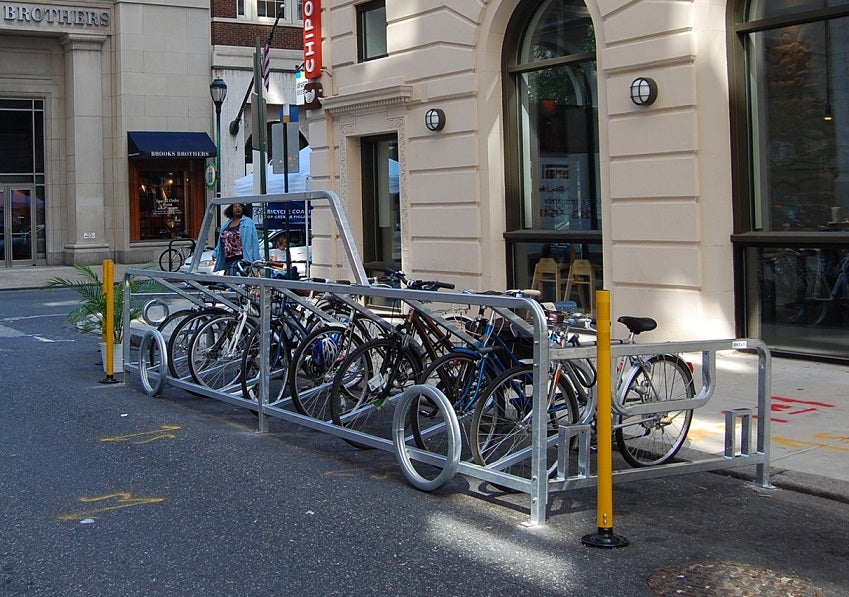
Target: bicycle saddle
column 638, row 324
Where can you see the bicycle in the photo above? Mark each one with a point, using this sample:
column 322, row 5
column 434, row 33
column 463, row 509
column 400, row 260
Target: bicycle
column 374, row 373
column 462, row 376
column 173, row 257
column 652, row 438
column 318, row 356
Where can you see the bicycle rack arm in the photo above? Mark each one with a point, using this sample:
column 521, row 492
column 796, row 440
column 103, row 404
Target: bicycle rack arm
column 330, row 198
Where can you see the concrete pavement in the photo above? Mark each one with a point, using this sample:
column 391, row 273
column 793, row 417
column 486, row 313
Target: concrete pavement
column 810, row 406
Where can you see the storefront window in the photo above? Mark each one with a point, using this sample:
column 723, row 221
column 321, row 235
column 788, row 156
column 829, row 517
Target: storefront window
column 162, row 204
column 792, row 237
column 553, row 197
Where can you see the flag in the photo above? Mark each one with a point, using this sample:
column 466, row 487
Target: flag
column 266, row 65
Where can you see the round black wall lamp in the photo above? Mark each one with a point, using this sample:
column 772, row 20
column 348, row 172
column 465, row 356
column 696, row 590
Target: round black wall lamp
column 643, row 91
column 435, row 119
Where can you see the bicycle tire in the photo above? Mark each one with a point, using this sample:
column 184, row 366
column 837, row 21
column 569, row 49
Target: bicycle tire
column 368, row 382
column 170, row 260
column 180, row 338
column 422, row 474
column 502, row 425
column 653, row 439
column 278, row 366
column 456, row 375
column 215, row 352
column 314, row 364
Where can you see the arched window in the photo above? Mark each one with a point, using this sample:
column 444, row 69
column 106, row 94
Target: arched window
column 552, row 138
column 791, row 60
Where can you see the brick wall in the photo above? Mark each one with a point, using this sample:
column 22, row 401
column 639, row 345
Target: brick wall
column 245, row 34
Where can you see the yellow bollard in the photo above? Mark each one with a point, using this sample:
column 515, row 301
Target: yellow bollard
column 604, row 537
column 109, row 319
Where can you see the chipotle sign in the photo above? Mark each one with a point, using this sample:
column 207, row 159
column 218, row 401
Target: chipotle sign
column 312, row 39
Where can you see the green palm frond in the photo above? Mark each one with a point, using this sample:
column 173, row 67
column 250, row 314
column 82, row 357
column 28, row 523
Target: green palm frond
column 90, row 313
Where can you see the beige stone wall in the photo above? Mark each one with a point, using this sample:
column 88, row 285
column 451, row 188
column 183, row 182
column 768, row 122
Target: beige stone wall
column 665, row 169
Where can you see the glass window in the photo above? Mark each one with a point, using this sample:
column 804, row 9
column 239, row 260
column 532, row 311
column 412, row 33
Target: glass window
column 371, row 30
column 161, row 204
column 800, row 155
column 552, row 186
column 291, row 11
column 22, row 181
column 792, row 179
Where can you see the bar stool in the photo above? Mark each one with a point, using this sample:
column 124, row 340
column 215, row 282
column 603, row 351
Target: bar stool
column 548, row 271
column 580, row 280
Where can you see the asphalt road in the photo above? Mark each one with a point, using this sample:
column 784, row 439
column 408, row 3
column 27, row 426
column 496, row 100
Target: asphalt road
column 106, row 491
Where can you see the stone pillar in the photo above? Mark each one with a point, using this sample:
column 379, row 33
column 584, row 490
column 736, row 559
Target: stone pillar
column 85, row 240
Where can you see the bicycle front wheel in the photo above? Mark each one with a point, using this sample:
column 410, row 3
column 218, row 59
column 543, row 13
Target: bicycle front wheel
column 655, row 438
column 314, row 365
column 502, row 426
column 459, row 378
column 215, row 352
column 278, row 366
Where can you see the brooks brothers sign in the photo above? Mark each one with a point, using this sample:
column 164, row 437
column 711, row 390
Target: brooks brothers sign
column 47, row 15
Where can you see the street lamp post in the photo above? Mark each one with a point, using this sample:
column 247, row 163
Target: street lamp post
column 218, row 91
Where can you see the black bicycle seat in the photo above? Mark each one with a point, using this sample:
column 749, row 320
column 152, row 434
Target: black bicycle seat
column 638, row 324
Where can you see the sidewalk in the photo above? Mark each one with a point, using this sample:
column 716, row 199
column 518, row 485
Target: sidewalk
column 810, row 406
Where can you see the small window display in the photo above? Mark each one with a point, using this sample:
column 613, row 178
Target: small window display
column 162, row 205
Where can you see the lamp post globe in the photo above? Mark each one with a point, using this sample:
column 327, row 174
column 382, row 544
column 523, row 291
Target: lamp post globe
column 218, row 91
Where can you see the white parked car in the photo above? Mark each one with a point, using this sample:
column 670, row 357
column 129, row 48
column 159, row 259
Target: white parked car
column 300, row 253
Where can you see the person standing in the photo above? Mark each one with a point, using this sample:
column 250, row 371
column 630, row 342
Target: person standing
column 238, row 240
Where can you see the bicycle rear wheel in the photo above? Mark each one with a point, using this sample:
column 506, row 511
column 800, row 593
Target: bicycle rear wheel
column 367, row 383
column 170, row 260
column 651, row 439
column 502, row 424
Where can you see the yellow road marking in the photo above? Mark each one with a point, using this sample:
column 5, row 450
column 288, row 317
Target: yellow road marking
column 145, row 437
column 123, row 500
column 798, row 444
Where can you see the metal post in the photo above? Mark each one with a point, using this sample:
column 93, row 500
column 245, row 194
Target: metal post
column 604, row 536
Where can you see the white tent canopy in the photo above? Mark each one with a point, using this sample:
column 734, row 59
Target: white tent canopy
column 274, row 183
column 298, row 181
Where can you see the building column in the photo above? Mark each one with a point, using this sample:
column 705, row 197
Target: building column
column 85, row 237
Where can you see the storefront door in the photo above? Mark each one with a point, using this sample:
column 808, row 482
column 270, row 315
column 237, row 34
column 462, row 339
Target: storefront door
column 19, row 233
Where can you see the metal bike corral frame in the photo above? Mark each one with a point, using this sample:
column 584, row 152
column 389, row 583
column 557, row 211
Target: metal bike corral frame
column 198, row 287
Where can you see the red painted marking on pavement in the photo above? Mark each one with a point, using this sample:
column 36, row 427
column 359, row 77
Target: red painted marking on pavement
column 797, row 401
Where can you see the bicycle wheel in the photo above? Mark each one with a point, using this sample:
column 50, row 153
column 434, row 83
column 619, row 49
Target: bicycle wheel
column 458, row 376
column 170, row 260
column 215, row 351
column 650, row 439
column 279, row 355
column 366, row 384
column 502, row 424
column 180, row 338
column 314, row 364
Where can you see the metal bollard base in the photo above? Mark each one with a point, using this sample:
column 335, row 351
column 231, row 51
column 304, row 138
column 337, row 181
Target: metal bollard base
column 109, row 379
column 604, row 538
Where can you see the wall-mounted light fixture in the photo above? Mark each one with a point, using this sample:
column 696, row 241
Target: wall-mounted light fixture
column 435, row 119
column 643, row 91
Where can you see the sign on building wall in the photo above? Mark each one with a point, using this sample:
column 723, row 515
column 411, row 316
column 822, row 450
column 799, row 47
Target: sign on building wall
column 312, row 39
column 51, row 16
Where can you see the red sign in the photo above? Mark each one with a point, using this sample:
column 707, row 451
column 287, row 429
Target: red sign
column 312, row 39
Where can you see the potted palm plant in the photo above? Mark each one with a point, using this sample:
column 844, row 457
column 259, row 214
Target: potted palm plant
column 89, row 314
